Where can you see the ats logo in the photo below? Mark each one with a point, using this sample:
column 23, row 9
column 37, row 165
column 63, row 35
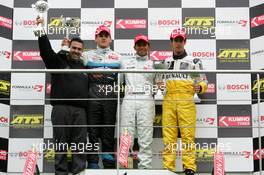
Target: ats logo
column 199, row 22
column 256, row 84
column 60, row 22
column 4, row 87
column 234, row 55
column 165, row 22
column 5, row 55
column 27, row 120
column 131, row 23
column 203, row 155
column 49, row 155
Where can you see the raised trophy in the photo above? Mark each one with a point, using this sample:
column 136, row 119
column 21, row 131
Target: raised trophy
column 41, row 7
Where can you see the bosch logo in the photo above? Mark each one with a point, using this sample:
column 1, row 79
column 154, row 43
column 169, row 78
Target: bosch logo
column 203, row 54
column 166, row 22
column 237, row 87
column 3, row 119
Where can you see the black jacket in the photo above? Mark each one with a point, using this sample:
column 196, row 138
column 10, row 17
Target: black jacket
column 74, row 85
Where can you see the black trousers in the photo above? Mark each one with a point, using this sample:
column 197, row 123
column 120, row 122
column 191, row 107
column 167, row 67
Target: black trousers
column 69, row 137
column 102, row 112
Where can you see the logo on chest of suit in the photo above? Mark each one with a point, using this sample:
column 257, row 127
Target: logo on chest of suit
column 113, row 56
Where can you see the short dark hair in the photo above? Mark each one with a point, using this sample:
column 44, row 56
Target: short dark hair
column 77, row 39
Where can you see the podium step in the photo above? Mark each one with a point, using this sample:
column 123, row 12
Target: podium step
column 129, row 172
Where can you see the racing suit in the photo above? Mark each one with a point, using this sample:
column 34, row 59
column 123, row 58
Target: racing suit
column 179, row 109
column 102, row 111
column 138, row 107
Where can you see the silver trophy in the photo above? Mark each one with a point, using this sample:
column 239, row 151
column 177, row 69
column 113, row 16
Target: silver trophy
column 41, row 7
column 68, row 24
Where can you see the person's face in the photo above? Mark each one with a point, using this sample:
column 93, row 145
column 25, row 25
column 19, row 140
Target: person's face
column 76, row 49
column 178, row 44
column 103, row 39
column 142, row 48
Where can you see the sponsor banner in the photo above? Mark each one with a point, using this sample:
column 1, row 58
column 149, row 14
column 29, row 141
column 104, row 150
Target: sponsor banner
column 27, row 88
column 89, row 23
column 27, row 56
column 234, row 121
column 18, row 154
column 257, row 21
column 233, row 89
column 161, row 22
column 257, row 53
column 125, row 52
column 206, row 121
column 26, row 121
column 205, row 148
column 6, row 22
column 55, row 24
column 26, row 23
column 233, row 54
column 199, row 23
column 204, row 50
column 226, row 121
column 238, row 154
column 130, row 22
column 232, row 24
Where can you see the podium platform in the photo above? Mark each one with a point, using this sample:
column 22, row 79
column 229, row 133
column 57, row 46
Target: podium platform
column 129, row 172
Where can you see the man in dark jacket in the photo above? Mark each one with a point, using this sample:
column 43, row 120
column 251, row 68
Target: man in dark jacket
column 67, row 112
